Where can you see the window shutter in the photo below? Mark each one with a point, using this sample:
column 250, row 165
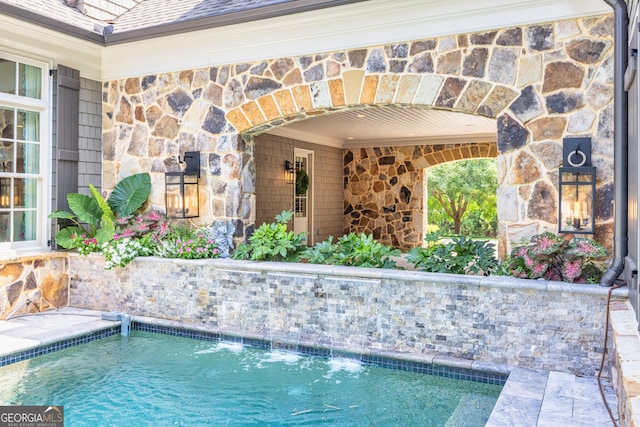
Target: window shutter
column 67, row 131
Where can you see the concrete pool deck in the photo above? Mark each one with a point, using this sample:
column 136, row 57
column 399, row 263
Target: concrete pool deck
column 529, row 397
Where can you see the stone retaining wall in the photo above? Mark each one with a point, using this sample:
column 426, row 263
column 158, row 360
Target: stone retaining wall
column 533, row 324
column 31, row 284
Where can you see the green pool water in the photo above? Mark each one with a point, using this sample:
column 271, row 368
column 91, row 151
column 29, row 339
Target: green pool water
column 149, row 379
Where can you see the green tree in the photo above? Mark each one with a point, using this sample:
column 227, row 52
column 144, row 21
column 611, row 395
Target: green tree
column 462, row 188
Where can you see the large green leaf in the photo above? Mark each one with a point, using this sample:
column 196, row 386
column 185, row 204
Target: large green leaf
column 107, row 218
column 105, row 234
column 130, row 194
column 65, row 236
column 61, row 214
column 85, row 207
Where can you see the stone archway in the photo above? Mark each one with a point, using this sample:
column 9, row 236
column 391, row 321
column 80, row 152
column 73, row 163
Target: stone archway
column 384, row 190
column 541, row 83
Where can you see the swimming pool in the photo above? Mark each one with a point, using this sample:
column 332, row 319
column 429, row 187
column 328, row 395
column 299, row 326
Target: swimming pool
column 154, row 379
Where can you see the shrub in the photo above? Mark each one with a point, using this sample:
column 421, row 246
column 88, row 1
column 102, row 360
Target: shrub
column 272, row 242
column 553, row 257
column 460, row 256
column 94, row 217
column 353, row 250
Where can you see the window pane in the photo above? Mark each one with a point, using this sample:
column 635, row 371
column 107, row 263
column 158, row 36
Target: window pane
column 28, row 160
column 25, row 193
column 5, row 229
column 28, row 126
column 30, row 81
column 7, row 76
column 5, row 192
column 6, row 123
column 24, row 226
column 6, row 156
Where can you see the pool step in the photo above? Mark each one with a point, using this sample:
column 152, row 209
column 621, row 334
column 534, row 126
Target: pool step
column 471, row 406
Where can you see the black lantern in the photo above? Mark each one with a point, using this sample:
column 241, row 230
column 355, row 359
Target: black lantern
column 181, row 188
column 289, row 172
column 577, row 188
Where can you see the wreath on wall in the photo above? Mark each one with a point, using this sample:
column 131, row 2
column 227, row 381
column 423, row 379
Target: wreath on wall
column 302, row 182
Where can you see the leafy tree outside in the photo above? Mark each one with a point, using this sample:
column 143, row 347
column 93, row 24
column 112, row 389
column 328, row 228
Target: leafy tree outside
column 462, row 197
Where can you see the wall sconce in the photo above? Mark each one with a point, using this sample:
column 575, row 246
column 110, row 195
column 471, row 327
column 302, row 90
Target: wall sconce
column 289, row 172
column 577, row 188
column 181, row 188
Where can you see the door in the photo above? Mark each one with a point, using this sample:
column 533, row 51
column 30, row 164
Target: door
column 303, row 194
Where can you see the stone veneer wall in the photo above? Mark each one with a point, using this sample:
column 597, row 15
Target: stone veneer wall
column 32, row 284
column 273, row 195
column 540, row 82
column 625, row 362
column 527, row 323
column 383, row 188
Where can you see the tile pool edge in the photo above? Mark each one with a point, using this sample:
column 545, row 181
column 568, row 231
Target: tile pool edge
column 483, row 372
column 51, row 347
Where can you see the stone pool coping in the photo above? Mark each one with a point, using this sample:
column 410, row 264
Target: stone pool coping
column 529, row 397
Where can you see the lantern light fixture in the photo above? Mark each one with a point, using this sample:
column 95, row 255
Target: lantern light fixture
column 577, row 188
column 289, row 172
column 181, row 188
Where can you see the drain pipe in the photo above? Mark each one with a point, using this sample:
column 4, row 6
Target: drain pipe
column 621, row 143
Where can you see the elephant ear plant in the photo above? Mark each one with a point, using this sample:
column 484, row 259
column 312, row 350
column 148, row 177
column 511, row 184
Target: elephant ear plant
column 97, row 214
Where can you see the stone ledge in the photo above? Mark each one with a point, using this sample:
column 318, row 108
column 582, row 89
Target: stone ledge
column 507, row 282
column 626, row 366
column 31, row 256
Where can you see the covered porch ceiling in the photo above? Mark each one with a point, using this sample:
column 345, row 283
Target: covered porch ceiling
column 390, row 126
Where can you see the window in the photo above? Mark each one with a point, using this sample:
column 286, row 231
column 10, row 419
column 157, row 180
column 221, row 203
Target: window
column 23, row 145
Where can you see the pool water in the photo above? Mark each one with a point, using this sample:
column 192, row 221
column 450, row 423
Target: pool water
column 149, row 379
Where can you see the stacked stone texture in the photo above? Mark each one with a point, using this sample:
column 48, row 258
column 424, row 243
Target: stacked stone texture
column 532, row 324
column 541, row 83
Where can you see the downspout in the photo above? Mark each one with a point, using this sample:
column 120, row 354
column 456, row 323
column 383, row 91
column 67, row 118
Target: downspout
column 620, row 144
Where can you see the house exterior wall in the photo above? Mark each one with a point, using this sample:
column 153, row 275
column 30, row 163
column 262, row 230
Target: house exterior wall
column 632, row 260
column 273, row 194
column 540, row 82
column 90, row 135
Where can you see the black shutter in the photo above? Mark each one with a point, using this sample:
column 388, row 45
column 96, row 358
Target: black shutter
column 67, row 121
